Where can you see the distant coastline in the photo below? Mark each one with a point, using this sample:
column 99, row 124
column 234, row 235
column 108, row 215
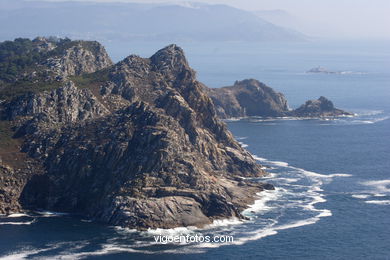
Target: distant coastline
column 322, row 70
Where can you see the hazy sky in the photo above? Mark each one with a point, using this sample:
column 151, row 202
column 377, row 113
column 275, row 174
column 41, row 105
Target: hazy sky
column 349, row 18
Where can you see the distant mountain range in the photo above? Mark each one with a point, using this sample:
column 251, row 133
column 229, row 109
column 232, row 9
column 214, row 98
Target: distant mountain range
column 133, row 21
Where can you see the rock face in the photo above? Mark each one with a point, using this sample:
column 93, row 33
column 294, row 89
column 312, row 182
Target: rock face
column 321, row 107
column 44, row 60
column 136, row 144
column 81, row 57
column 25, row 67
column 253, row 98
column 248, row 98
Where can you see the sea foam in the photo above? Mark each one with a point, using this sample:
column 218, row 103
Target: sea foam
column 378, row 202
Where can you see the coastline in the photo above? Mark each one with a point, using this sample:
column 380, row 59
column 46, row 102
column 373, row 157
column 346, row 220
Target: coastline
column 260, row 118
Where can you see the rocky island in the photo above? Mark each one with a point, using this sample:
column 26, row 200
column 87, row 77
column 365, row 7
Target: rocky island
column 248, row 98
column 253, row 98
column 136, row 144
column 320, row 69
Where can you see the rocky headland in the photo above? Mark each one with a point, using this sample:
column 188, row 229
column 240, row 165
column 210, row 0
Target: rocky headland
column 137, row 143
column 252, row 98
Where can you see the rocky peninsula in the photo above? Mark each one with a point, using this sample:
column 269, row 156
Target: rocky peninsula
column 136, row 144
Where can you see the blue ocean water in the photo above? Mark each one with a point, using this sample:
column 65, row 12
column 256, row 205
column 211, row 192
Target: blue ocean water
column 332, row 199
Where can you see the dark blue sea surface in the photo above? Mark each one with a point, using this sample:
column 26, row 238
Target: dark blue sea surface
column 332, row 177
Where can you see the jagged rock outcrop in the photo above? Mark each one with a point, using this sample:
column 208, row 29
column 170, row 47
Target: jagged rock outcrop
column 253, row 98
column 9, row 189
column 248, row 98
column 137, row 144
column 321, row 107
column 66, row 104
column 26, row 110
column 49, row 59
column 79, row 58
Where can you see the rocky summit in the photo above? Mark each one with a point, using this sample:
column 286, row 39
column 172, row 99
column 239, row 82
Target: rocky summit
column 136, row 144
column 252, row 98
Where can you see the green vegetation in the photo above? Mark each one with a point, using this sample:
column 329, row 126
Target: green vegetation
column 91, row 79
column 16, row 56
column 24, row 55
column 6, row 134
column 19, row 55
column 20, row 88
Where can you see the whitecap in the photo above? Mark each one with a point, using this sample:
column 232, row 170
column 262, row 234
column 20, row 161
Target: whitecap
column 21, row 254
column 27, row 252
column 224, row 223
column 378, row 202
column 280, row 164
column 170, row 231
column 260, row 205
column 243, row 145
column 340, row 175
column 379, row 195
column 259, row 158
column 51, row 213
column 269, row 175
column 233, row 119
column 17, row 215
column 370, row 121
column 105, row 250
column 125, row 229
column 288, row 180
column 323, row 176
column 271, row 229
column 379, row 186
column 369, row 112
column 361, row 196
column 18, row 223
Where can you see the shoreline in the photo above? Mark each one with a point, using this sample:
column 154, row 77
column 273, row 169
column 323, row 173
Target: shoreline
column 234, row 119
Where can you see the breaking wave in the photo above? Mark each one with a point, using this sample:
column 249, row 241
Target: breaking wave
column 360, row 117
column 375, row 192
column 294, row 203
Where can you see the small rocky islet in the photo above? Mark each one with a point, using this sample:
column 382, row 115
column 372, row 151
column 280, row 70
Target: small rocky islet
column 138, row 143
column 250, row 97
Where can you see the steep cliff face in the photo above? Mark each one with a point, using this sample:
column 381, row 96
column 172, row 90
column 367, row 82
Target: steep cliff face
column 137, row 144
column 78, row 58
column 248, row 98
column 253, row 98
column 26, row 110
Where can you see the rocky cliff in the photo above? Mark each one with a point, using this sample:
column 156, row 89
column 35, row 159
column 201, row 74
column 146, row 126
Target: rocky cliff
column 321, row 107
column 248, row 98
column 253, row 98
column 43, row 59
column 136, row 144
